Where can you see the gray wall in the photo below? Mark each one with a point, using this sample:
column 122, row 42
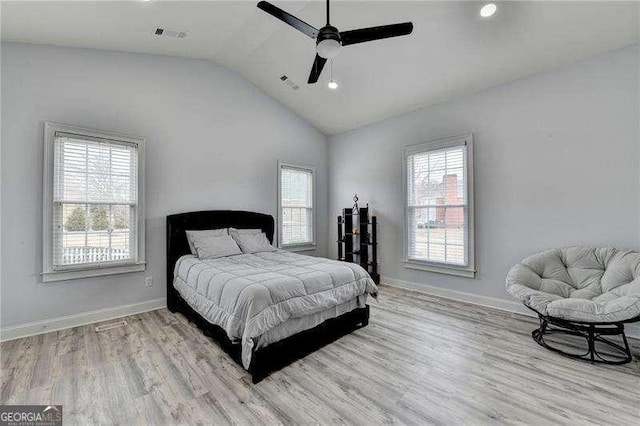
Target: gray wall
column 556, row 164
column 213, row 141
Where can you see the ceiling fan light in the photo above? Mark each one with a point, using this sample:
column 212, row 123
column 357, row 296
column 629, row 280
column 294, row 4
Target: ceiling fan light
column 332, row 85
column 328, row 48
column 488, row 10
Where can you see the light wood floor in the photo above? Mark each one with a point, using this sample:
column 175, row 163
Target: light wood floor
column 420, row 361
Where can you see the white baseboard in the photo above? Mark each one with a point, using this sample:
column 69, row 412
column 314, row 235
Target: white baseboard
column 75, row 320
column 84, row 318
column 633, row 330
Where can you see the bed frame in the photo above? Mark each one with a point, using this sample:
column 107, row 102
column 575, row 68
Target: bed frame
column 270, row 358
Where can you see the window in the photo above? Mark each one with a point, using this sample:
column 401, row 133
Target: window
column 93, row 203
column 295, row 207
column 439, row 232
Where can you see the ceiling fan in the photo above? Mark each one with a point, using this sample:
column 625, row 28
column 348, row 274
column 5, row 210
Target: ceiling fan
column 329, row 40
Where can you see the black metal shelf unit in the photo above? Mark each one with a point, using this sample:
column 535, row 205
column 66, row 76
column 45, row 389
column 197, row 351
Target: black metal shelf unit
column 358, row 240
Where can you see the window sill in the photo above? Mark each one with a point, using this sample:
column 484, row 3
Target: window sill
column 73, row 274
column 307, row 247
column 449, row 270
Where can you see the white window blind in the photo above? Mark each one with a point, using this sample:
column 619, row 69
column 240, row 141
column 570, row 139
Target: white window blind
column 296, row 206
column 95, row 201
column 437, row 204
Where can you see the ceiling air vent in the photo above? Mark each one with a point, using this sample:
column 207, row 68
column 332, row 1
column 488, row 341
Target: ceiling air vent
column 166, row 32
column 286, row 80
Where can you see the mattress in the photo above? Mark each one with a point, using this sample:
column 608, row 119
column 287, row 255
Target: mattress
column 262, row 297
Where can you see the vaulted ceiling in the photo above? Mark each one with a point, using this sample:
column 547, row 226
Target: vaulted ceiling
column 451, row 52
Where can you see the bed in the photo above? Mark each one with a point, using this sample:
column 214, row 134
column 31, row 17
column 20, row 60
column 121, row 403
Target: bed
column 265, row 309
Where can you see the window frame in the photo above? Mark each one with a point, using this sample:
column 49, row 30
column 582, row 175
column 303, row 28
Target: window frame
column 468, row 270
column 301, row 246
column 49, row 273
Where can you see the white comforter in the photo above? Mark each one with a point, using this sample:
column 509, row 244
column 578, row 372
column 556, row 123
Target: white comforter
column 249, row 294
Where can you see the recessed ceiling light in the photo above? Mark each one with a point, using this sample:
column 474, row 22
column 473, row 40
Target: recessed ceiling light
column 488, row 10
column 332, row 85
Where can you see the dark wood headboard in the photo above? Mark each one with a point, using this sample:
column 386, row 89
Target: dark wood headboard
column 177, row 224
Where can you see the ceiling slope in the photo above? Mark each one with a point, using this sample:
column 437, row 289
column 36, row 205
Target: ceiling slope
column 452, row 51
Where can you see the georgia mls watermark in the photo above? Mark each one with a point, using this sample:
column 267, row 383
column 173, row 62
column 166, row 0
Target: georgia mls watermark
column 30, row 415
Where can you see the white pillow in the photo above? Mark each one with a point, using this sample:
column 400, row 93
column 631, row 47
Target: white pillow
column 251, row 243
column 216, row 246
column 192, row 236
column 245, row 231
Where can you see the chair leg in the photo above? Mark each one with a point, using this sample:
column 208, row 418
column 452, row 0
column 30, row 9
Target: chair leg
column 543, row 325
column 538, row 333
column 592, row 344
column 627, row 349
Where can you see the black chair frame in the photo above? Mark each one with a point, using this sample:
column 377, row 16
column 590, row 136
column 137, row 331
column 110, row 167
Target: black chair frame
column 592, row 332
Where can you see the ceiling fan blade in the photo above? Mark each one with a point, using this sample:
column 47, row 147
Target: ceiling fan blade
column 288, row 18
column 375, row 33
column 316, row 69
